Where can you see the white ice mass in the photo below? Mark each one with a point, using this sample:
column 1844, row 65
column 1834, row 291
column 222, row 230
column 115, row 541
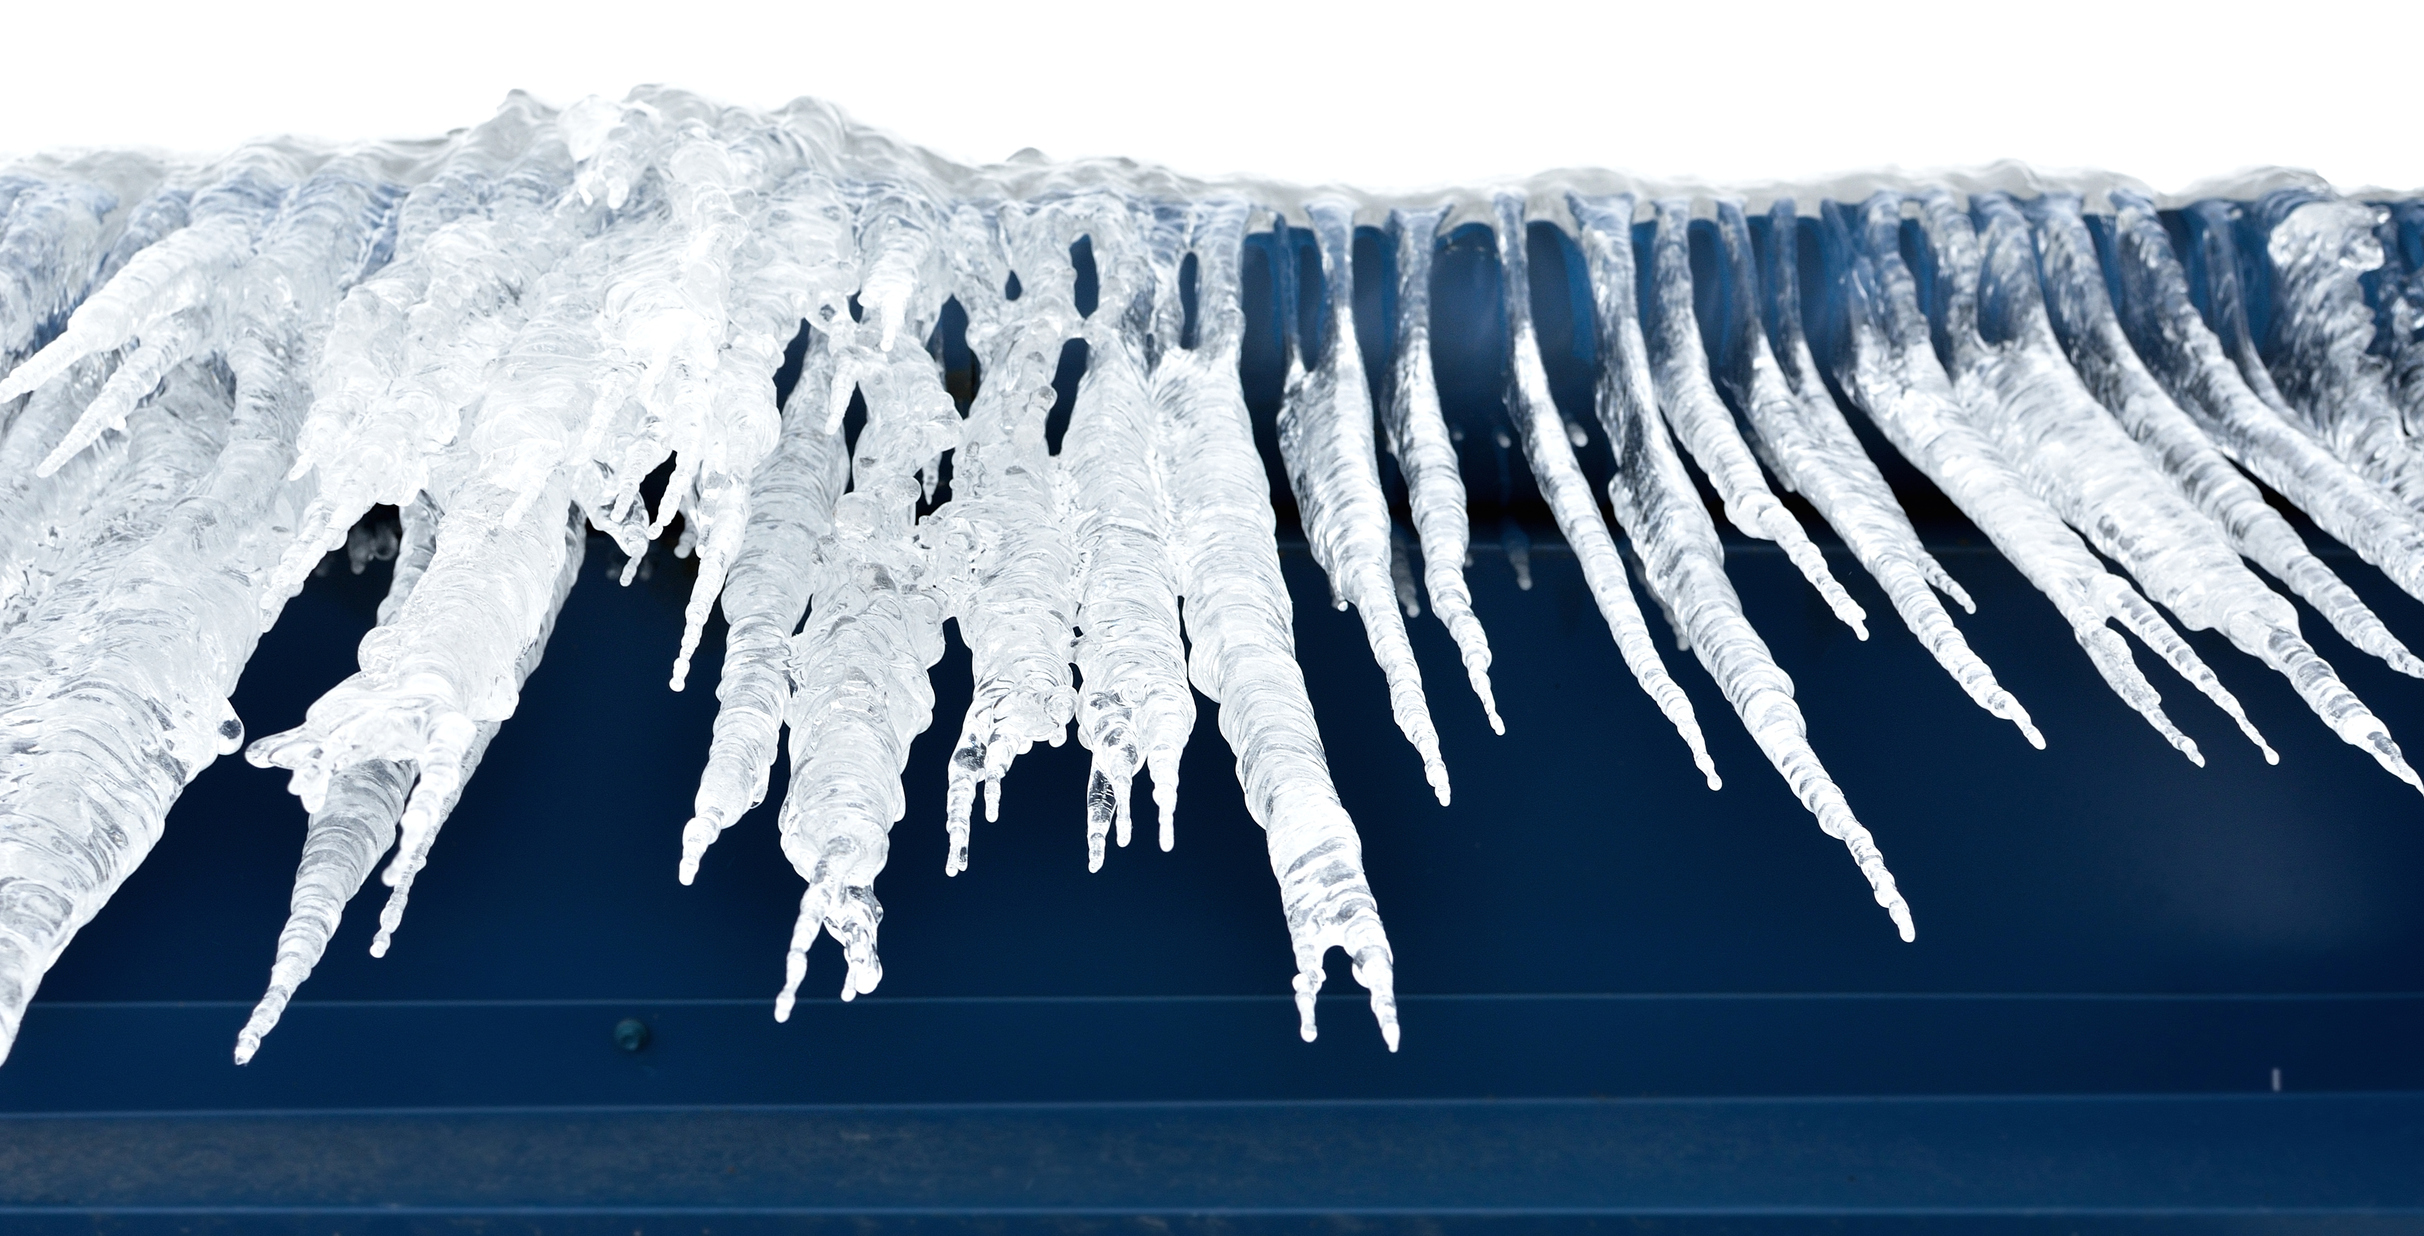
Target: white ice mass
column 217, row 368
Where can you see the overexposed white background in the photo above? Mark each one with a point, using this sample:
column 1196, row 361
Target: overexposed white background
column 1382, row 95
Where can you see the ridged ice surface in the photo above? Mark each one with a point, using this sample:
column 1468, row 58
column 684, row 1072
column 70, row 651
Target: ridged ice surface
column 1326, row 437
column 561, row 324
column 1681, row 557
column 2011, row 375
column 2081, row 311
column 1679, row 366
column 2166, row 334
column 1763, row 362
column 1417, row 435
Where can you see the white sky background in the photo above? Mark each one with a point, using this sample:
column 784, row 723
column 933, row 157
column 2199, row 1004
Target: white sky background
column 1377, row 94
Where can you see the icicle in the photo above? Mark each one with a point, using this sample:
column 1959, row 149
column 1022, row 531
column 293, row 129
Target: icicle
column 1681, row 371
column 1417, row 434
column 1682, row 557
column 2166, row 331
column 444, row 670
column 354, row 826
column 344, row 839
column 1804, row 437
column 2082, row 316
column 2020, row 390
column 1243, row 653
column 860, row 691
column 790, row 268
column 1887, row 365
column 1559, row 475
column 1134, row 707
column 1326, row 437
column 790, row 512
column 1016, row 611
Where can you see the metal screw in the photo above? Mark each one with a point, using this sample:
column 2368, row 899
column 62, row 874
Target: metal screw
column 631, row 1034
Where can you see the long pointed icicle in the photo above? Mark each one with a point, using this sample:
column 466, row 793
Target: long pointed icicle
column 355, row 825
column 1680, row 368
column 358, row 818
column 1682, row 558
column 1417, row 435
column 1134, row 707
column 1551, row 455
column 1016, row 608
column 1888, row 366
column 2035, row 405
column 1243, row 653
column 1811, row 447
column 765, row 595
column 2082, row 316
column 2167, row 333
column 859, row 667
column 1326, row 437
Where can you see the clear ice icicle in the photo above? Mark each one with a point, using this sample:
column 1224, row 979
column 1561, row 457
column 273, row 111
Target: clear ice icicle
column 1134, row 707
column 214, row 369
column 1551, row 454
column 358, row 817
column 1681, row 557
column 2175, row 343
column 2081, row 312
column 1016, row 607
column 765, row 595
column 1326, row 436
column 1417, row 434
column 860, row 691
column 2012, row 376
column 1243, row 653
column 1887, row 365
column 1764, row 365
column 1680, row 368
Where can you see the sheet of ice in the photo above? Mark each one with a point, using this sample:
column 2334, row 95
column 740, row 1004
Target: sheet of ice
column 1681, row 558
column 1242, row 651
column 1416, row 432
column 118, row 680
column 2186, row 356
column 2320, row 348
column 2081, row 313
column 1680, row 368
column 2399, row 310
column 1887, row 365
column 2012, row 376
column 216, row 368
column 1326, row 436
column 1763, row 364
column 1551, row 454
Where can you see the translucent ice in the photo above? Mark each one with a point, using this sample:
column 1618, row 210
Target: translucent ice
column 556, row 324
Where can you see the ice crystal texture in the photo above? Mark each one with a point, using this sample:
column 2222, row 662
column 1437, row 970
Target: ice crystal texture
column 217, row 370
